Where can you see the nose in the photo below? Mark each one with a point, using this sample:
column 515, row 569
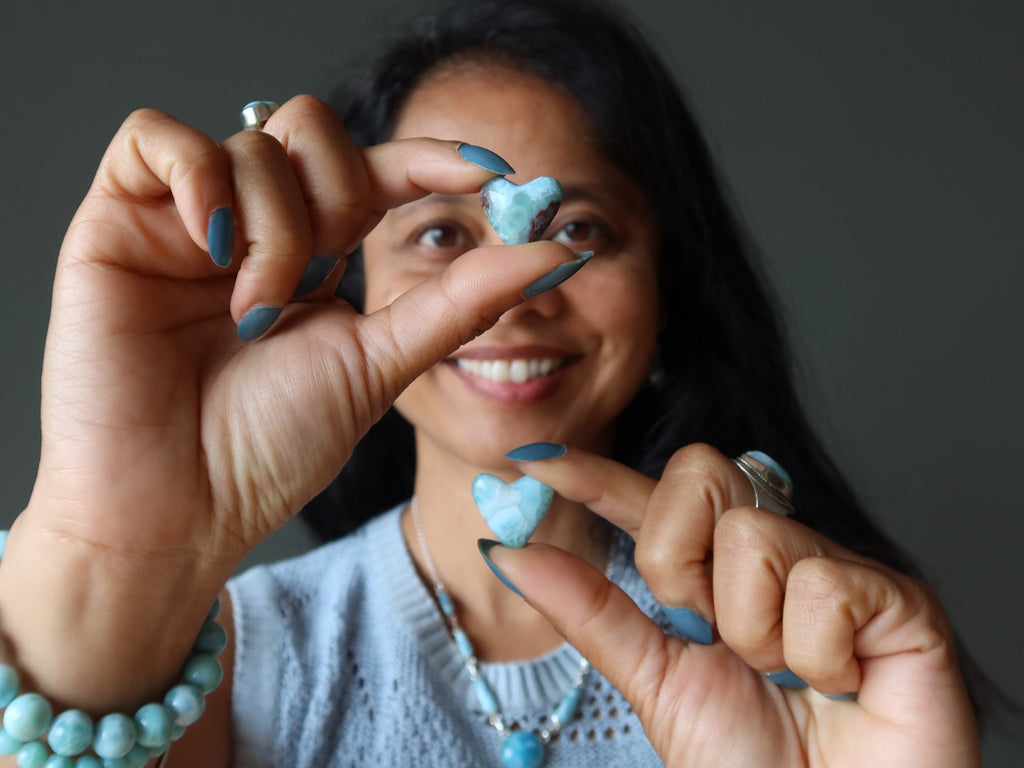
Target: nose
column 546, row 305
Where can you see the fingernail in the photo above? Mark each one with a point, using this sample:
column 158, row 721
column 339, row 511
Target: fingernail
column 536, row 452
column 558, row 275
column 313, row 277
column 256, row 322
column 485, row 546
column 690, row 624
column 485, row 159
column 220, row 236
column 840, row 696
column 786, row 679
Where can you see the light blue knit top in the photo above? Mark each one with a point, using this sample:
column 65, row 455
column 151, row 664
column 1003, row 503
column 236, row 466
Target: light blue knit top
column 343, row 659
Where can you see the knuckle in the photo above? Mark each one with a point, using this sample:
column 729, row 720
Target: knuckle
column 696, row 457
column 698, row 467
column 654, row 557
column 595, row 609
column 307, row 105
column 741, row 529
column 819, row 585
column 140, row 118
column 255, row 146
column 208, row 158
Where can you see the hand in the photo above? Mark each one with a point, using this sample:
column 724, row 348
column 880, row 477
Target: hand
column 781, row 597
column 170, row 447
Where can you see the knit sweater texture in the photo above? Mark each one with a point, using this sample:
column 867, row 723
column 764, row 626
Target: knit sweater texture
column 344, row 660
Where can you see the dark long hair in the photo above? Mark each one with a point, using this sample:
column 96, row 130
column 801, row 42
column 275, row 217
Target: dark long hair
column 726, row 374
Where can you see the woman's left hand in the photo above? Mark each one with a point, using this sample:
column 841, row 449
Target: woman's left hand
column 781, row 597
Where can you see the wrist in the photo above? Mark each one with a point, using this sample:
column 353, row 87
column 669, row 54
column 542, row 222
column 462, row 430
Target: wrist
column 96, row 630
column 37, row 733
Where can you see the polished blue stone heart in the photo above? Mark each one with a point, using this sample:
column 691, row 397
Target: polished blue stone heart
column 520, row 213
column 512, row 510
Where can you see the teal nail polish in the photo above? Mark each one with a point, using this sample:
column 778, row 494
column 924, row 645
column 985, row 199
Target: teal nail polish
column 220, row 236
column 313, row 277
column 786, row 679
column 485, row 159
column 485, row 546
column 256, row 322
column 558, row 275
column 841, row 697
column 536, row 452
column 690, row 624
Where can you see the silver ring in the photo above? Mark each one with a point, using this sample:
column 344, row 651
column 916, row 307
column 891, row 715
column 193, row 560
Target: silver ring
column 773, row 488
column 256, row 113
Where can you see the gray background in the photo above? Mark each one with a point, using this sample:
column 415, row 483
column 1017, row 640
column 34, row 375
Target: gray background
column 875, row 148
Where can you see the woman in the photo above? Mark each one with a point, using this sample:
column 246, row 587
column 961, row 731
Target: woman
column 662, row 339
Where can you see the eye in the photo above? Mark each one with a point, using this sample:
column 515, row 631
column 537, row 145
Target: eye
column 579, row 231
column 439, row 235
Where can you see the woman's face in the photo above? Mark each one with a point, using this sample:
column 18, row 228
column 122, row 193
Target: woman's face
column 563, row 364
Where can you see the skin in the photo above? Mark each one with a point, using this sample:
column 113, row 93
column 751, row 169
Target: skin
column 226, row 441
column 602, row 325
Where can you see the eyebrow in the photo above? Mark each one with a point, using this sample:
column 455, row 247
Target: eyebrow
column 602, row 195
column 574, row 193
column 467, row 201
column 470, row 201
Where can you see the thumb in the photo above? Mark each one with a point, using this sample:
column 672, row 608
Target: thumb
column 596, row 616
column 439, row 315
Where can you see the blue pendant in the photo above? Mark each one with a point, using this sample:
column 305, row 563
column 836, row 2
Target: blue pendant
column 520, row 213
column 522, row 749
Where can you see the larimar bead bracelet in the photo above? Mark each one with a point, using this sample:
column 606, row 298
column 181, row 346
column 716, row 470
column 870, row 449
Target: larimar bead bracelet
column 70, row 739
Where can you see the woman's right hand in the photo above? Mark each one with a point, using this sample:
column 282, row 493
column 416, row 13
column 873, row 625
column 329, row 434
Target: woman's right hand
column 170, row 446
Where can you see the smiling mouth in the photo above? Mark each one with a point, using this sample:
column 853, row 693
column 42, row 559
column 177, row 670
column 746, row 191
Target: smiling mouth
column 515, row 371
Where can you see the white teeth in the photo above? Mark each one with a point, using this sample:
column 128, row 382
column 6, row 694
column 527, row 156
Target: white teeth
column 517, row 371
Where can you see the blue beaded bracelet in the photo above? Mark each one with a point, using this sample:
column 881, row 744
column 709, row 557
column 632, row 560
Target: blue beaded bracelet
column 71, row 739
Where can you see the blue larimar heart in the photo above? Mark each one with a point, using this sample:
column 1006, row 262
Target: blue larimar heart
column 520, row 213
column 512, row 510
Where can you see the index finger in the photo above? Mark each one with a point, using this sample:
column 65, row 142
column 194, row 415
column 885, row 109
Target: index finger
column 610, row 489
column 672, row 520
column 348, row 189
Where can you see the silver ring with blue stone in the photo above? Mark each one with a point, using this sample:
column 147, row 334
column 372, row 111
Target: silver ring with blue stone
column 256, row 113
column 773, row 487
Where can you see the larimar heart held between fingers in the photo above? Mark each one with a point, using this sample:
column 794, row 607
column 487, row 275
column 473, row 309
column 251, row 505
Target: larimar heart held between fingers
column 512, row 510
column 520, row 213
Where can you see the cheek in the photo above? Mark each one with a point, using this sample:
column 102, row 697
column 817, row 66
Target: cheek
column 385, row 281
column 383, row 287
column 389, row 274
column 624, row 303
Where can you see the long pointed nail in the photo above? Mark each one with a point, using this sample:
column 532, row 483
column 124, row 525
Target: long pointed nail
column 536, row 452
column 485, row 546
column 786, row 679
column 484, row 158
column 256, row 322
column 557, row 276
column 842, row 697
column 313, row 277
column 220, row 236
column 690, row 624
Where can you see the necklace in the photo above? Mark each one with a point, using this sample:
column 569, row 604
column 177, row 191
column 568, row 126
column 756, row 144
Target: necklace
column 519, row 748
